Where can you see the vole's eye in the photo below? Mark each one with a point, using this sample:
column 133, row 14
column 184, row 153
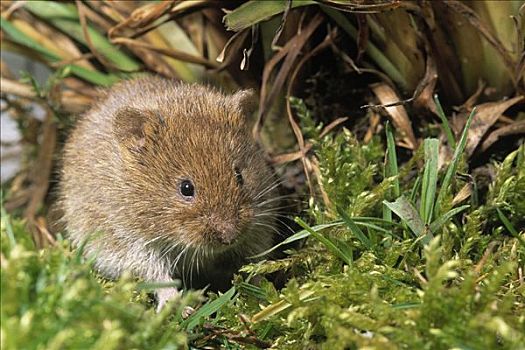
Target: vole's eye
column 238, row 177
column 187, row 189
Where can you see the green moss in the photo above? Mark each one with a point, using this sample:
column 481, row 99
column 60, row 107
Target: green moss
column 364, row 282
column 51, row 299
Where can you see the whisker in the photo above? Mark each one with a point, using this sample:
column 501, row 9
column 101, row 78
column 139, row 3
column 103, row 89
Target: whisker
column 270, row 227
column 269, row 188
column 278, row 198
column 277, row 209
column 280, row 221
column 152, row 240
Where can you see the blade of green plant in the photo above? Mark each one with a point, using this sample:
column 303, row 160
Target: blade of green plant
column 53, row 9
column 93, row 76
column 415, row 189
column 253, row 12
column 391, row 168
column 374, row 227
column 279, row 306
column 255, row 291
column 406, row 211
column 392, row 158
column 448, row 132
column 265, row 331
column 355, row 230
column 375, row 54
column 325, row 241
column 404, row 306
column 296, row 237
column 208, row 309
column 430, row 173
column 436, row 225
column 158, row 285
column 18, row 37
column 451, row 170
column 508, row 225
column 73, row 28
column 6, row 223
column 177, row 37
column 394, row 33
column 363, row 219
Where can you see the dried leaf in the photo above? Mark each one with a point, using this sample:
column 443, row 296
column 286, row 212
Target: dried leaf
column 289, row 52
column 515, row 128
column 486, row 116
column 183, row 56
column 40, row 178
column 399, row 116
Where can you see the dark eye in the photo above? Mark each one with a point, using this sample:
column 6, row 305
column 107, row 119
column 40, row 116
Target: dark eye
column 187, row 189
column 238, row 177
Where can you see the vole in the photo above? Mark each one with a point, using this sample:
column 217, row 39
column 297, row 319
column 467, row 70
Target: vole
column 163, row 179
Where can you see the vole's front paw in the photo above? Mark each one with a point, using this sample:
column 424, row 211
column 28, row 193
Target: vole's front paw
column 187, row 312
column 165, row 294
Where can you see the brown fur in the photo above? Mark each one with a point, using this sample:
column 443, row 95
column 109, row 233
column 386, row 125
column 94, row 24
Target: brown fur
column 123, row 165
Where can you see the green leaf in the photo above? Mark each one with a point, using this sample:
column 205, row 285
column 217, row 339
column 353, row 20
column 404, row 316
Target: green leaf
column 508, row 225
column 208, row 309
column 436, row 225
column 406, row 211
column 297, row 237
column 451, row 170
column 430, row 173
column 326, row 242
column 355, row 230
column 20, row 38
column 444, row 123
column 375, row 53
column 60, row 15
column 253, row 12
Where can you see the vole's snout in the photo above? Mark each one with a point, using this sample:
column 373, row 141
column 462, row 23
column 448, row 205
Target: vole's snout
column 225, row 232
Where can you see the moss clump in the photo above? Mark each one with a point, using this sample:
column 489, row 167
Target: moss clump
column 367, row 281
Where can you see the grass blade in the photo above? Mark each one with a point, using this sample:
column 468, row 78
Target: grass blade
column 325, row 241
column 281, row 305
column 451, row 170
column 355, row 230
column 375, row 54
column 450, row 136
column 392, row 159
column 508, row 225
column 391, row 168
column 208, row 309
column 70, row 25
column 253, row 12
column 297, row 237
column 20, row 38
column 6, row 224
column 430, row 173
column 436, row 225
column 406, row 211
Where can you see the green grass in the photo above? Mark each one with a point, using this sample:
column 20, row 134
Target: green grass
column 427, row 276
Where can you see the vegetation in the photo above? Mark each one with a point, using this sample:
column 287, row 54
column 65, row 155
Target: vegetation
column 413, row 231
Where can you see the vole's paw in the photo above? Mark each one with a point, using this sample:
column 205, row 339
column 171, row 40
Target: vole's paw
column 187, row 312
column 164, row 295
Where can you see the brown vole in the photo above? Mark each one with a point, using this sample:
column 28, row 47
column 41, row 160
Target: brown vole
column 164, row 180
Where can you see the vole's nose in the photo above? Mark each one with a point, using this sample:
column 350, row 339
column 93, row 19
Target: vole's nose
column 225, row 232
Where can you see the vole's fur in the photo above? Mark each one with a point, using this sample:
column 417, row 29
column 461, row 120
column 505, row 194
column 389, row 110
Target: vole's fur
column 122, row 171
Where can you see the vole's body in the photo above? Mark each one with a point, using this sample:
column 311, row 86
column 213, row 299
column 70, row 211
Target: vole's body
column 130, row 164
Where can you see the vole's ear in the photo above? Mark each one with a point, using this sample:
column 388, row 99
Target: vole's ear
column 246, row 100
column 131, row 126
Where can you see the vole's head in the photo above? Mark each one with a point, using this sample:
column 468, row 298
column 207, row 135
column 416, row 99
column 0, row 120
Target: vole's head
column 194, row 174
